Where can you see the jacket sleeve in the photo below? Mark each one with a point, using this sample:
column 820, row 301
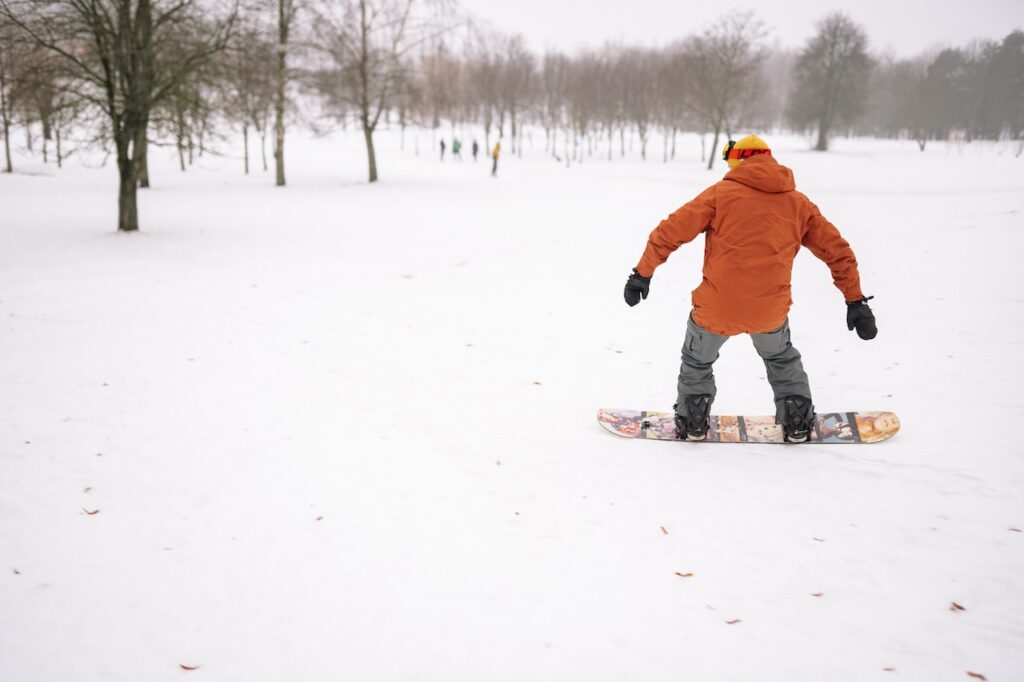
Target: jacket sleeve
column 680, row 227
column 825, row 242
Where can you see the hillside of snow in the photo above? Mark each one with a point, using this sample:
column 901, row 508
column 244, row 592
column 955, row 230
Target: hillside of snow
column 341, row 431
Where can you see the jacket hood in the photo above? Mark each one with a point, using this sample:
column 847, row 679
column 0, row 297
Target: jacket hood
column 763, row 173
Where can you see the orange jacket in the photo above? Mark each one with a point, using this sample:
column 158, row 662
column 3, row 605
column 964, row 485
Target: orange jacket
column 755, row 222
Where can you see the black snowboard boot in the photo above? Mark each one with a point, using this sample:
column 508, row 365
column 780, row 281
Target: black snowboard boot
column 694, row 426
column 797, row 418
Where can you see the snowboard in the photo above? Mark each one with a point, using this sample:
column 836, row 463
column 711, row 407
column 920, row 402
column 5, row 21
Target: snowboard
column 829, row 427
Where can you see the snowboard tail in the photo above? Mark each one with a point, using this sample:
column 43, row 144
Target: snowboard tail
column 829, row 427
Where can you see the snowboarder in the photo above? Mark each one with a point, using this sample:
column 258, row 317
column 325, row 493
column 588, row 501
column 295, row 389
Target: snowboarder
column 476, row 149
column 754, row 222
column 494, row 155
column 442, row 150
column 457, row 149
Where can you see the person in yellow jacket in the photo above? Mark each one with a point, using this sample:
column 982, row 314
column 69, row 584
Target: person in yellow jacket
column 495, row 153
column 754, row 222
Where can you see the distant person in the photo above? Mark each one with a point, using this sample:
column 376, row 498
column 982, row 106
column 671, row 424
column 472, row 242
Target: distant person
column 457, row 149
column 442, row 150
column 495, row 153
column 754, row 223
column 476, row 149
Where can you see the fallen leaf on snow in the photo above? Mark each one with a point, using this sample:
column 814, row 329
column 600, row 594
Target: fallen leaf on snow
column 87, row 490
column 536, row 383
column 818, row 539
column 817, row 594
column 17, row 572
column 319, row 518
column 684, row 575
column 94, row 512
column 663, row 530
column 733, row 621
column 977, row 676
column 888, row 670
column 188, row 667
column 1016, row 530
column 953, row 606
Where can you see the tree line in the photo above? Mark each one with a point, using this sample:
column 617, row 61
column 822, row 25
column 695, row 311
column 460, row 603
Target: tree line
column 124, row 74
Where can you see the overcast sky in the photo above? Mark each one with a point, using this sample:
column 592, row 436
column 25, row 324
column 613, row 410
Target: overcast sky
column 902, row 27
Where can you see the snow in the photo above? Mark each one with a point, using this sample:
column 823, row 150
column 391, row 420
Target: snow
column 342, row 431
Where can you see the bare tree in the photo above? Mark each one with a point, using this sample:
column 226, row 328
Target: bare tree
column 116, row 48
column 441, row 78
column 674, row 92
column 583, row 97
column 486, row 66
column 516, row 85
column 832, row 76
column 249, row 87
column 725, row 62
column 367, row 42
column 11, row 63
column 554, row 75
column 640, row 71
column 286, row 11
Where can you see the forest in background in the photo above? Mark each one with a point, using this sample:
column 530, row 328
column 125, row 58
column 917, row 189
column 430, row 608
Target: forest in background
column 123, row 74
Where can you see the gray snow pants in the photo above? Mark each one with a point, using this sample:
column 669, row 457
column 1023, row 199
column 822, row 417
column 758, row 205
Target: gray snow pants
column 700, row 350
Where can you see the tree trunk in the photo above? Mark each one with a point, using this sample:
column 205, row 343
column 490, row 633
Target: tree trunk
column 245, row 144
column 180, row 137
column 5, row 120
column 127, row 204
column 714, row 146
column 674, row 131
column 371, row 155
column 822, row 145
column 7, row 143
column 622, row 141
column 263, row 146
column 282, row 51
column 143, row 155
column 60, row 159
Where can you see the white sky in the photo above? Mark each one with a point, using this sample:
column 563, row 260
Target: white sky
column 902, row 27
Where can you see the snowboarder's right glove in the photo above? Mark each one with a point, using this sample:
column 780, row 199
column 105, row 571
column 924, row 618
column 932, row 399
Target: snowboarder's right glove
column 637, row 287
column 859, row 315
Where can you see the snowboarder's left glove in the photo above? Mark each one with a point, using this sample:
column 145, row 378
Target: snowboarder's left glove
column 637, row 287
column 859, row 315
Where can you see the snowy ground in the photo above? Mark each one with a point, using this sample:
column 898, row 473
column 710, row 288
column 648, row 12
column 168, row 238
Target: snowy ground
column 347, row 432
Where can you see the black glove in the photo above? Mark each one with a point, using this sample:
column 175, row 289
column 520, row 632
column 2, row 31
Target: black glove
column 637, row 287
column 859, row 315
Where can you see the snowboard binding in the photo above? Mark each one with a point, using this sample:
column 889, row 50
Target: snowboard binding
column 797, row 419
column 694, row 425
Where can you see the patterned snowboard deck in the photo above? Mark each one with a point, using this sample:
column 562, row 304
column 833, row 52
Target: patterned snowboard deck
column 830, row 427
